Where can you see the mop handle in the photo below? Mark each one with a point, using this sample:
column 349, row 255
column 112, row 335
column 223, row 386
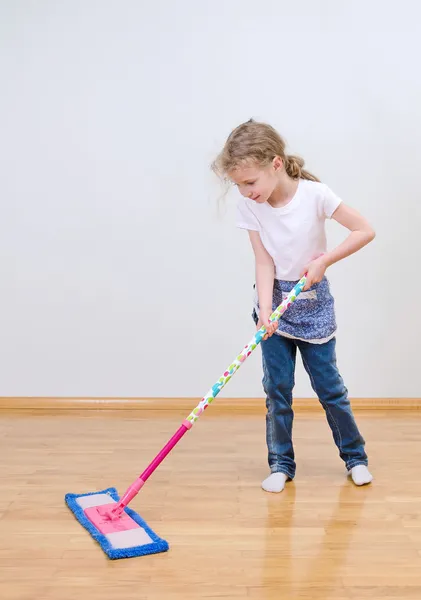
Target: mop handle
column 241, row 358
column 208, row 398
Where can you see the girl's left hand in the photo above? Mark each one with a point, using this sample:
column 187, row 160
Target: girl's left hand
column 315, row 272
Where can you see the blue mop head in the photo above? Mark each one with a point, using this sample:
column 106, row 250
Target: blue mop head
column 138, row 540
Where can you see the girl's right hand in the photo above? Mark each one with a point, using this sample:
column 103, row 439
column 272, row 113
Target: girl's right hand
column 271, row 327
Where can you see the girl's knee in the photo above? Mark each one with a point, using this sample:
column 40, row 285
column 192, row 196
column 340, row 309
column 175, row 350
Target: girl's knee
column 279, row 391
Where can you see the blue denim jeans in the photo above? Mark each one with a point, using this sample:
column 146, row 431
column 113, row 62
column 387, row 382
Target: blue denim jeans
column 279, row 356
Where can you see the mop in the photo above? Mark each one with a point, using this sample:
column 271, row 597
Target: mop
column 118, row 529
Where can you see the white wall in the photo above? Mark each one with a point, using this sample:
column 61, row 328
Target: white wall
column 118, row 277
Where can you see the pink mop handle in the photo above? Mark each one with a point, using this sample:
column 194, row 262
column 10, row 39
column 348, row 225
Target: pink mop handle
column 188, row 423
column 135, row 488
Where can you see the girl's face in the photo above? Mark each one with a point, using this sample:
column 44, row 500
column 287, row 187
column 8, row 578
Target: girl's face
column 256, row 182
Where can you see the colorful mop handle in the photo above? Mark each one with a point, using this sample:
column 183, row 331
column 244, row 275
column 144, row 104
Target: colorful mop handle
column 208, row 399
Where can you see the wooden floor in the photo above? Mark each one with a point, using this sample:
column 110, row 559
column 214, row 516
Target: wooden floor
column 321, row 539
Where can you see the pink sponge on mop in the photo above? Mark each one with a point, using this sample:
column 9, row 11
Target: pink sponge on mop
column 125, row 537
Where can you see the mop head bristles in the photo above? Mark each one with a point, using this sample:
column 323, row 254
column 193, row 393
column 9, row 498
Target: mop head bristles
column 125, row 537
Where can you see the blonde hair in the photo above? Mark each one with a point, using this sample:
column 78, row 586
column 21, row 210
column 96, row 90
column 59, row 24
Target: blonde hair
column 260, row 143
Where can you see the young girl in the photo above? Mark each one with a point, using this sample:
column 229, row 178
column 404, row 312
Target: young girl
column 284, row 209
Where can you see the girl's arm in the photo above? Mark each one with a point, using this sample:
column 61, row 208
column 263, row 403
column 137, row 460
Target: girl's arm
column 361, row 234
column 265, row 275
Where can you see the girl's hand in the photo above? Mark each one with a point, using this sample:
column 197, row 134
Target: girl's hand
column 315, row 272
column 264, row 320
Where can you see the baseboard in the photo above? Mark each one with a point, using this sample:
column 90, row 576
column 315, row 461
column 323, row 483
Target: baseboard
column 239, row 405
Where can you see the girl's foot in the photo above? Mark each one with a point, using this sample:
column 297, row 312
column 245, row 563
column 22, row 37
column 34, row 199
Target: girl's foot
column 361, row 475
column 275, row 482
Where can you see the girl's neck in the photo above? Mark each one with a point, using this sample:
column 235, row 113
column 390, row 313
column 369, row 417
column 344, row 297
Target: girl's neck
column 284, row 191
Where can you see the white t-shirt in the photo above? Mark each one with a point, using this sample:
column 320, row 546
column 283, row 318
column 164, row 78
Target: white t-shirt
column 293, row 234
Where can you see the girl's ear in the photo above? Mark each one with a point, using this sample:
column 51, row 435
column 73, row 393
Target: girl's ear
column 277, row 163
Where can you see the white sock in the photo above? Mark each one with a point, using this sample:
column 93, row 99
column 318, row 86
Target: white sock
column 275, row 482
column 361, row 475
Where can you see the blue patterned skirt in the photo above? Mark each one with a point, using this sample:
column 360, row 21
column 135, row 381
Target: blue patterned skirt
column 310, row 318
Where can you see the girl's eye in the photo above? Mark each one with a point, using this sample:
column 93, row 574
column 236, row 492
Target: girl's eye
column 246, row 183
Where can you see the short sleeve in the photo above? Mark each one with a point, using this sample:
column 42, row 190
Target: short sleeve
column 330, row 202
column 246, row 219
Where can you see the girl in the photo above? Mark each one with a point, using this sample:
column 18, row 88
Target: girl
column 284, row 209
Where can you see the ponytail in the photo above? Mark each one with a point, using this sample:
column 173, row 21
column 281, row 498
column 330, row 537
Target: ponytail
column 294, row 166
